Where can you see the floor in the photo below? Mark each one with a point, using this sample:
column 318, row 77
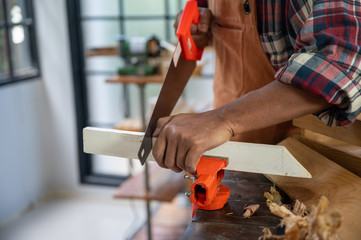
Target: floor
column 94, row 218
column 170, row 222
column 78, row 218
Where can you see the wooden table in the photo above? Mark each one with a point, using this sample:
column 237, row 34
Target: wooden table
column 141, row 82
column 164, row 185
column 227, row 223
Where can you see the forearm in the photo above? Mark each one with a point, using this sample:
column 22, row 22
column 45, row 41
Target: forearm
column 275, row 103
column 183, row 139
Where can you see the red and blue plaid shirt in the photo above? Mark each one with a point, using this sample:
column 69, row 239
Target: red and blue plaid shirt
column 316, row 45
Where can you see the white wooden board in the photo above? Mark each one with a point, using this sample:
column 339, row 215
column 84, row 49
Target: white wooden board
column 246, row 157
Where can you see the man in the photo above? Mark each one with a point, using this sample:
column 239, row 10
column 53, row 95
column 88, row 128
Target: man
column 276, row 60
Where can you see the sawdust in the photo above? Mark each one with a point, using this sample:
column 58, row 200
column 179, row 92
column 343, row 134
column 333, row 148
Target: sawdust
column 317, row 224
column 250, row 210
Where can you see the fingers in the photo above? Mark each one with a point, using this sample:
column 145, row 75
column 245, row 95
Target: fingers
column 171, row 148
column 165, row 154
column 159, row 149
column 170, row 158
column 182, row 139
column 181, row 156
column 205, row 20
column 203, row 26
column 192, row 160
column 201, row 40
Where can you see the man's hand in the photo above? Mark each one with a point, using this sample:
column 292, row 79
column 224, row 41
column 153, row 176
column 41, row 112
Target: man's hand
column 201, row 33
column 183, row 139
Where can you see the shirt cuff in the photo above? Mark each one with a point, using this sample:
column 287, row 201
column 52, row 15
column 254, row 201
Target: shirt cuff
column 324, row 77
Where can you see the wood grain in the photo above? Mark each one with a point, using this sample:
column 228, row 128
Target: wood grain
column 344, row 146
column 228, row 223
column 220, row 231
column 346, row 160
column 341, row 187
column 257, row 158
column 351, row 135
column 164, row 185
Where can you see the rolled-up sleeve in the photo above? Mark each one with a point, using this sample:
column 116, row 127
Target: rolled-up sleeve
column 327, row 61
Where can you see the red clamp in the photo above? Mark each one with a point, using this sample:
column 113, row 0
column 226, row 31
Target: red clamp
column 190, row 15
column 207, row 192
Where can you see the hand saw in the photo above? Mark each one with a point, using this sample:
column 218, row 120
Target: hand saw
column 180, row 70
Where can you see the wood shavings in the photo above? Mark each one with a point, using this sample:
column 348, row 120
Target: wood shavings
column 280, row 211
column 319, row 224
column 323, row 225
column 250, row 210
column 299, row 208
column 273, row 197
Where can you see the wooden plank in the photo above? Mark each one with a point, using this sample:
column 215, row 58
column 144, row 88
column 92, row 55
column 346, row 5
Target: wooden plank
column 346, row 160
column 257, row 158
column 164, row 185
column 351, row 135
column 341, row 187
column 341, row 145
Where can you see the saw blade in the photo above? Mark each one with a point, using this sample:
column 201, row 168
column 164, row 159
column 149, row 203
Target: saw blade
column 179, row 72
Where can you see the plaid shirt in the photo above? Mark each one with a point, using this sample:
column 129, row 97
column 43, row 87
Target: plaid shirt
column 316, row 45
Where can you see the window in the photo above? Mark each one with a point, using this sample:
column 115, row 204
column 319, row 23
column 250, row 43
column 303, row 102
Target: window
column 18, row 53
column 97, row 24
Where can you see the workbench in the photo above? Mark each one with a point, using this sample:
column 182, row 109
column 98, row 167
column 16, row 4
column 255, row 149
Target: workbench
column 228, row 223
column 331, row 155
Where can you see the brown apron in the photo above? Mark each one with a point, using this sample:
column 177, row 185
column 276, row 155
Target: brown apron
column 241, row 63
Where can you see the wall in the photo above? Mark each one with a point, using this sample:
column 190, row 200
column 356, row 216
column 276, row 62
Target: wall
column 38, row 148
column 21, row 156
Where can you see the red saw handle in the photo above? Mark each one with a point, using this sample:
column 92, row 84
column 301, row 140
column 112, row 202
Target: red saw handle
column 190, row 15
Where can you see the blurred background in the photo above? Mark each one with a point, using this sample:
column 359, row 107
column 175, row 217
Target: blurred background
column 68, row 64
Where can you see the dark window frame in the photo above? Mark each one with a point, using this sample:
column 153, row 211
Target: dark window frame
column 75, row 19
column 28, row 23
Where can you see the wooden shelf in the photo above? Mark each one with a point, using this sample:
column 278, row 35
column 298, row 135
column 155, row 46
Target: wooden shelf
column 165, row 185
column 129, row 79
column 102, row 51
column 129, row 124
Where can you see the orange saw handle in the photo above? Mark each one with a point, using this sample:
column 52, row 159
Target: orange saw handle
column 190, row 15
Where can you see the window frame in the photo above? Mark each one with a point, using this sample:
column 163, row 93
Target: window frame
column 75, row 20
column 29, row 24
